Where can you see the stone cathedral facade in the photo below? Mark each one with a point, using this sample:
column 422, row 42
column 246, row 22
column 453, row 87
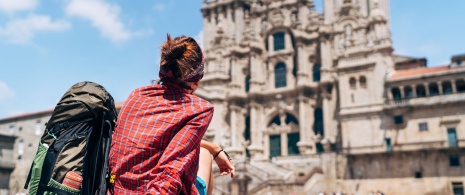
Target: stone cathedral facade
column 310, row 103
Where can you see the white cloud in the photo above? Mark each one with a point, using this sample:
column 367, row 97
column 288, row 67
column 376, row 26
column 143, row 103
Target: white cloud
column 104, row 17
column 5, row 92
column 10, row 6
column 23, row 30
column 199, row 39
column 159, row 6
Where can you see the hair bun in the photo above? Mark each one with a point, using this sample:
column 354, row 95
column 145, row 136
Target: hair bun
column 175, row 51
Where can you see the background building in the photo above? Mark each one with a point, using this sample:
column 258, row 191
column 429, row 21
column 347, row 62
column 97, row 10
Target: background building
column 308, row 102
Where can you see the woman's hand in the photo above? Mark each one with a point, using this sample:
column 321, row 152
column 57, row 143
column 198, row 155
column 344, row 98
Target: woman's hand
column 224, row 164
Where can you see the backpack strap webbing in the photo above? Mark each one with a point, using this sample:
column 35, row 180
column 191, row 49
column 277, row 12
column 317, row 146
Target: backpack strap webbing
column 55, row 128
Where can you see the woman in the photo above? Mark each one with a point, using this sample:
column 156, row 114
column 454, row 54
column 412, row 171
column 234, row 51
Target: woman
column 157, row 138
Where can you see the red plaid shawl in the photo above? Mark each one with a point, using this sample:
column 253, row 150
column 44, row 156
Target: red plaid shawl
column 155, row 146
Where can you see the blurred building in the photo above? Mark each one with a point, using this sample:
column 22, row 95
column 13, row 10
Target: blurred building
column 310, row 103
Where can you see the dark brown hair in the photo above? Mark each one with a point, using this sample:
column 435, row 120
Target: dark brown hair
column 182, row 55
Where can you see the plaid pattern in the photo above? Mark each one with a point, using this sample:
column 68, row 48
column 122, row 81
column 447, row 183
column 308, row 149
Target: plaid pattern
column 156, row 142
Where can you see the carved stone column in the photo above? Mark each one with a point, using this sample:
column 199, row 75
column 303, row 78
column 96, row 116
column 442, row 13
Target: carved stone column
column 303, row 70
column 414, row 91
column 236, row 147
column 439, row 83
column 426, row 89
column 389, row 94
column 306, row 120
column 402, row 92
column 256, row 146
column 454, row 86
column 327, row 117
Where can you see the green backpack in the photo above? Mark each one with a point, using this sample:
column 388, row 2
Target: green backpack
column 72, row 157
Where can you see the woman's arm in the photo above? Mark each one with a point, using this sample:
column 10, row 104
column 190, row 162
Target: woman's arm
column 221, row 158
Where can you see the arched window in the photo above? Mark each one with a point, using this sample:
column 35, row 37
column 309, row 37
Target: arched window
column 408, row 92
column 319, row 125
column 352, row 82
column 446, row 87
column 275, row 120
column 396, row 93
column 247, row 83
column 316, row 72
column 433, row 89
column 363, row 81
column 291, row 119
column 280, row 75
column 278, row 41
column 460, row 84
column 421, row 92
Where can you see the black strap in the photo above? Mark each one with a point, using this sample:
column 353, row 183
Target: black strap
column 57, row 127
column 26, row 185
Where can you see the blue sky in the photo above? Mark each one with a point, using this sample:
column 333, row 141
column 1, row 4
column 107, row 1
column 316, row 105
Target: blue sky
column 47, row 46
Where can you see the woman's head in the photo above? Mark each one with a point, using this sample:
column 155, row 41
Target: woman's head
column 181, row 61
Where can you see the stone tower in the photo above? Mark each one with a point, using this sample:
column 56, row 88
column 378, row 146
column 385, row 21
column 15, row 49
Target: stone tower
column 282, row 77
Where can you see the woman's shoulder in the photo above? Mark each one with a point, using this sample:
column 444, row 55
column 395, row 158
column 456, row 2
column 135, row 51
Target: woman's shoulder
column 201, row 103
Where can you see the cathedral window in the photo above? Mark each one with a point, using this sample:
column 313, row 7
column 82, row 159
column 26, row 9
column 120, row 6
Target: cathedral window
column 457, row 188
column 423, row 126
column 446, row 87
column 408, row 92
column 292, row 139
column 363, row 82
column 452, row 137
column 433, row 89
column 278, row 41
column 316, row 72
column 280, row 75
column 388, row 144
column 454, row 160
column 352, row 82
column 421, row 92
column 460, row 84
column 275, row 145
column 275, row 120
column 247, row 83
column 396, row 93
column 319, row 127
column 247, row 129
column 399, row 119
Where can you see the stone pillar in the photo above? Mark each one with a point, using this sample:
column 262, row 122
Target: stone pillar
column 454, row 86
column 426, row 89
column 284, row 150
column 270, row 44
column 389, row 93
column 327, row 113
column 402, row 92
column 256, row 146
column 287, row 41
column 414, row 91
column 303, row 71
column 306, row 120
column 439, row 83
column 235, row 149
